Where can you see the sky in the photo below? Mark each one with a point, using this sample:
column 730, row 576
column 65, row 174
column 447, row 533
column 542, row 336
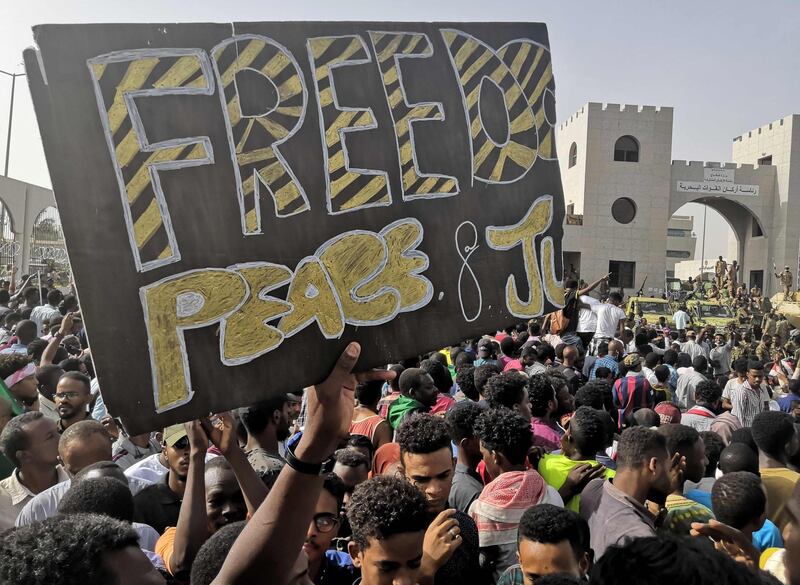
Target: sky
column 725, row 66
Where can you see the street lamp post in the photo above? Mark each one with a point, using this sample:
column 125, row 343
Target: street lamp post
column 13, row 77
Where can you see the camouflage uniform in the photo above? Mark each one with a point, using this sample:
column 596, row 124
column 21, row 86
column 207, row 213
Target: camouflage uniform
column 764, row 353
column 741, row 351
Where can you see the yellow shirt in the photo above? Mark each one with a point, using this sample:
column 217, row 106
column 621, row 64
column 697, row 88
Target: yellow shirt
column 780, row 483
column 555, row 469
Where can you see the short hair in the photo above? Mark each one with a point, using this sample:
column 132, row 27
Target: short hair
column 463, row 359
column 707, row 392
column 700, row 363
column 738, row 498
column 602, row 372
column 482, row 375
column 615, row 296
column 754, row 365
column 12, row 362
column 440, row 374
column 384, row 506
column 101, row 495
column 363, row 442
column 714, row 446
column 505, row 390
column 738, row 457
column 662, row 373
column 350, row 457
column 73, row 375
column 655, row 560
column 545, row 352
column 410, row 379
column 651, row 359
column 54, row 297
column 465, row 378
column 394, row 383
column 588, row 430
column 637, row 445
column 505, row 431
column 36, row 349
column 602, row 348
column 11, row 318
column 508, row 346
column 744, row 435
column 772, row 430
column 258, row 416
column 590, row 395
column 540, row 392
column 421, row 434
column 208, row 562
column 14, row 438
column 550, row 524
column 680, row 438
column 461, row 420
column 81, row 431
column 369, row 392
column 64, row 549
column 740, row 366
column 333, row 484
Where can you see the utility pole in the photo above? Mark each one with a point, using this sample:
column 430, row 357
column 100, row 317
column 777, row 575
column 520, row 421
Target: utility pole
column 13, row 77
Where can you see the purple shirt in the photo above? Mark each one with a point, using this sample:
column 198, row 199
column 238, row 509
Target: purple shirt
column 545, row 434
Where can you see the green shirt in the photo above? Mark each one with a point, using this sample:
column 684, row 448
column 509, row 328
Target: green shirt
column 555, row 469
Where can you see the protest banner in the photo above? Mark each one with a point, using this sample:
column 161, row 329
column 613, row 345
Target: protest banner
column 241, row 200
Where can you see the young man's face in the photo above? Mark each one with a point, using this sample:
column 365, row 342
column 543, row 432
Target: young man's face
column 71, row 397
column 351, row 477
column 323, row 528
column 661, row 478
column 490, row 460
column 178, row 457
column 566, row 403
column 696, row 461
column 392, row 561
column 426, row 391
column 284, row 421
column 42, row 435
column 538, row 559
column 432, row 474
column 755, row 377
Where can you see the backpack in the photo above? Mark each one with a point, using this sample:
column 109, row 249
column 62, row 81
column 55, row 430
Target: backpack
column 557, row 321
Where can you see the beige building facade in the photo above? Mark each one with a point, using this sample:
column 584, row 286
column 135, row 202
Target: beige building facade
column 622, row 189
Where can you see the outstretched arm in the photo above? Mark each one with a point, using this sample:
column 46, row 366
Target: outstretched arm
column 593, row 286
column 273, row 538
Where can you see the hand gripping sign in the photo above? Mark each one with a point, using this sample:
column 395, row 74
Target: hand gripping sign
column 241, row 200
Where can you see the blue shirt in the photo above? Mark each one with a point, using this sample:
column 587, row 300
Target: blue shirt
column 786, row 402
column 337, row 569
column 604, row 362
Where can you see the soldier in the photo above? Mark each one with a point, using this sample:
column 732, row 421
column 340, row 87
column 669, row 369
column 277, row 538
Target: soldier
column 720, row 269
column 732, row 270
column 764, row 349
column 743, row 349
column 755, row 292
column 786, row 280
column 770, row 323
column 783, row 328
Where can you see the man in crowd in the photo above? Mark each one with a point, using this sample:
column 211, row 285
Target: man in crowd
column 551, row 541
column 267, row 424
column 544, row 405
column 750, row 398
column 633, row 391
column 467, row 484
column 72, row 397
column 688, row 382
column 426, row 461
column 25, row 332
column 42, row 314
column 352, row 469
column 616, row 510
column 708, row 403
column 325, row 566
column 417, row 395
column 506, row 438
column 30, row 441
column 610, row 320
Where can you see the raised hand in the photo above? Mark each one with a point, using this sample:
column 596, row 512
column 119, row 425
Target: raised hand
column 222, row 432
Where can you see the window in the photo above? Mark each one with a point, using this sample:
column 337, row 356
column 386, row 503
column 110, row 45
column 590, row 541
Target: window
column 573, row 155
column 677, row 233
column 757, row 231
column 765, row 160
column 757, row 279
column 623, row 210
column 626, row 149
column 623, row 274
column 678, row 254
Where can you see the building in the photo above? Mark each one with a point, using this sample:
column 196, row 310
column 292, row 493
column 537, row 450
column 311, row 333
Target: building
column 622, row 189
column 681, row 242
column 30, row 229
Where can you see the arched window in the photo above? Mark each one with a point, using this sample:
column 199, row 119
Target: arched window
column 48, row 251
column 573, row 155
column 626, row 149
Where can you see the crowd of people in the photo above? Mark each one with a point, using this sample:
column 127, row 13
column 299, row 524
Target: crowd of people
column 574, row 448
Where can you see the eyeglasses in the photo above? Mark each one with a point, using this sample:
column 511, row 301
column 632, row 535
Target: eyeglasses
column 325, row 522
column 66, row 395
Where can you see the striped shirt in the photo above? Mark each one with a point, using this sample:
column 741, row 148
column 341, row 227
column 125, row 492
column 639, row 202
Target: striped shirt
column 631, row 393
column 747, row 403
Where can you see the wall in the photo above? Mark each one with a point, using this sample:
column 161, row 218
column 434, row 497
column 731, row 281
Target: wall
column 24, row 202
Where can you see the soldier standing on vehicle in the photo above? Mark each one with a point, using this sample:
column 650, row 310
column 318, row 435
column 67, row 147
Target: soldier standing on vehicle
column 720, row 269
column 786, row 281
column 732, row 270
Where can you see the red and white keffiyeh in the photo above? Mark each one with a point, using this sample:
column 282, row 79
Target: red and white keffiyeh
column 19, row 375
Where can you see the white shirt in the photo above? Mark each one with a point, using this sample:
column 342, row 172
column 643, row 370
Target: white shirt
column 587, row 320
column 14, row 495
column 148, row 469
column 41, row 315
column 687, row 382
column 45, row 504
column 124, row 453
column 681, row 318
column 693, row 348
column 608, row 318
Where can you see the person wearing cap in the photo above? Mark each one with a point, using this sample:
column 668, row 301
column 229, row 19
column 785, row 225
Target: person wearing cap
column 632, row 391
column 160, row 503
column 668, row 413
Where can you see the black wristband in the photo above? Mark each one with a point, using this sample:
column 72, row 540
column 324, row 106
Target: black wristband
column 302, row 466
